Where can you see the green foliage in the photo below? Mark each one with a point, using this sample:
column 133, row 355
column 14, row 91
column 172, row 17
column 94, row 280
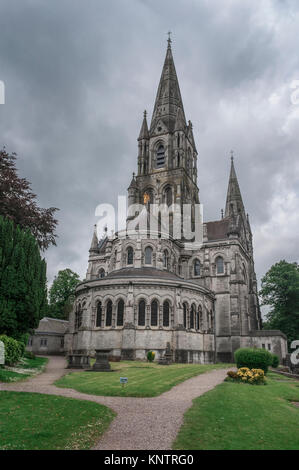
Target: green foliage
column 23, row 291
column 151, row 356
column 275, row 361
column 13, row 350
column 29, row 355
column 280, row 290
column 62, row 294
column 253, row 358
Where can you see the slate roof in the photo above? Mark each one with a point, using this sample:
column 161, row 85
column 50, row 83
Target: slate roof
column 143, row 272
column 52, row 325
column 218, row 230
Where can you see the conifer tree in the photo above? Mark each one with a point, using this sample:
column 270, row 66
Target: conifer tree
column 23, row 292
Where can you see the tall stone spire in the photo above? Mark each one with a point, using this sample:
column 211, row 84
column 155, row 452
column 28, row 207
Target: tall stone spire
column 94, row 247
column 168, row 98
column 144, row 134
column 234, row 202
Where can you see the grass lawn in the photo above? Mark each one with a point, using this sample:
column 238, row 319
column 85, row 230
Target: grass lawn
column 242, row 416
column 32, row 421
column 144, row 379
column 24, row 369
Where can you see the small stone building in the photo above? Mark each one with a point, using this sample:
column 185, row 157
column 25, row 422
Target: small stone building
column 48, row 338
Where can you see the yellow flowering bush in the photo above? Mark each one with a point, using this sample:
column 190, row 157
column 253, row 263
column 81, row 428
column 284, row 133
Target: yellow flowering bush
column 246, row 375
column 151, row 356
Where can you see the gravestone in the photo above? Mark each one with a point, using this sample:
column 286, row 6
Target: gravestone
column 2, row 353
column 166, row 360
column 102, row 363
column 78, row 361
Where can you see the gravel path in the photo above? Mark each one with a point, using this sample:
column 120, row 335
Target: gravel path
column 141, row 423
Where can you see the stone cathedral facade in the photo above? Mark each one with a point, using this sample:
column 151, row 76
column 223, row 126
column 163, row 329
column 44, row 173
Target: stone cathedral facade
column 144, row 291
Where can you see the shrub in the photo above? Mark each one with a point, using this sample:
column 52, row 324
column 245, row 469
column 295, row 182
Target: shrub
column 275, row 361
column 29, row 355
column 13, row 349
column 253, row 358
column 21, row 347
column 150, row 356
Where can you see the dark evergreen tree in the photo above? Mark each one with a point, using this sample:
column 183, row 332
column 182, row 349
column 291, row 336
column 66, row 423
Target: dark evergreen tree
column 23, row 291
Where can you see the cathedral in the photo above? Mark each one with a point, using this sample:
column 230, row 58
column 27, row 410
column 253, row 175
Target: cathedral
column 148, row 292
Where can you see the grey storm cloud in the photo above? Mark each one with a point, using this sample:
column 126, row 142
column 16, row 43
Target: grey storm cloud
column 78, row 76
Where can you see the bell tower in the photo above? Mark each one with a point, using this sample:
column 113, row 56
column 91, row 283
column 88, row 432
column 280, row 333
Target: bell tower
column 167, row 155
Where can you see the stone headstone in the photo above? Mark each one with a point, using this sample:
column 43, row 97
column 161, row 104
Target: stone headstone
column 102, row 362
column 2, row 353
column 78, row 361
column 167, row 358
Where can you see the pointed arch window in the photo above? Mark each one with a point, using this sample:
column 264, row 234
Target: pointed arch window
column 154, row 313
column 109, row 313
column 130, row 255
column 200, row 318
column 141, row 313
column 185, row 315
column 101, row 273
column 120, row 313
column 197, row 267
column 148, row 255
column 99, row 315
column 166, row 313
column 160, row 156
column 192, row 315
column 78, row 317
column 197, row 321
column 168, row 196
column 165, row 259
column 219, row 265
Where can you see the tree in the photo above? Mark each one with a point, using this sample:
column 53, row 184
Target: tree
column 18, row 203
column 23, row 288
column 280, row 290
column 62, row 294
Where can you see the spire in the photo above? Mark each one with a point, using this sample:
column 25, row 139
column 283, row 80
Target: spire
column 234, row 202
column 144, row 134
column 133, row 184
column 168, row 98
column 94, row 242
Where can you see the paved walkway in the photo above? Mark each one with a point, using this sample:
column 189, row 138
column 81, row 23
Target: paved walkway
column 141, row 423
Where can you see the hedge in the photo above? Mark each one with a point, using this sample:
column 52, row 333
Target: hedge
column 253, row 358
column 275, row 361
column 14, row 349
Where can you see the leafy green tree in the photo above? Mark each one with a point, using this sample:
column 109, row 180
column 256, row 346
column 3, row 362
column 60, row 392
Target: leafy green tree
column 280, row 291
column 23, row 288
column 62, row 294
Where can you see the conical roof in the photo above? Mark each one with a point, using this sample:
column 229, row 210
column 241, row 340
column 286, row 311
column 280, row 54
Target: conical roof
column 144, row 134
column 234, row 202
column 94, row 242
column 168, row 98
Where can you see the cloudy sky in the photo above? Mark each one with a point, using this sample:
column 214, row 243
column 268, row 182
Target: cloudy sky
column 78, row 75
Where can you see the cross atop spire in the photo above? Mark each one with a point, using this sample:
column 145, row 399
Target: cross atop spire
column 169, row 39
